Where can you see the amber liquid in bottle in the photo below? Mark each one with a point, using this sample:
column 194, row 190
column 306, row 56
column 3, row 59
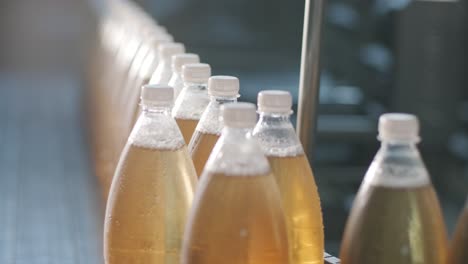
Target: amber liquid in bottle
column 187, row 127
column 301, row 204
column 237, row 215
column 459, row 247
column 201, row 149
column 395, row 226
column 148, row 206
column 225, row 230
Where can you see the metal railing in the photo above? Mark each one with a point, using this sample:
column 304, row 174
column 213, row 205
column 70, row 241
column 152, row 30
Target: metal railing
column 310, row 73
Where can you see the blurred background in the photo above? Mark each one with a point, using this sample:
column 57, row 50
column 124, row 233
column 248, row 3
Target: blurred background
column 377, row 56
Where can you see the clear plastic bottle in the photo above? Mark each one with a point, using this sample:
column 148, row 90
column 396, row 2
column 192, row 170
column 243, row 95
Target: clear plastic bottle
column 237, row 215
column 146, row 58
column 139, row 75
column 222, row 89
column 128, row 103
column 178, row 61
column 459, row 248
column 150, row 63
column 152, row 189
column 294, row 176
column 193, row 99
column 163, row 72
column 396, row 216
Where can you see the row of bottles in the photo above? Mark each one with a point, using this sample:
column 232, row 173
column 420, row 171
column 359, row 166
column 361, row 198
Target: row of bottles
column 238, row 206
column 246, row 209
column 197, row 179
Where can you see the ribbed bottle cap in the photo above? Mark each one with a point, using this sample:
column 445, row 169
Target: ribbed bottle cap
column 180, row 60
column 157, row 94
column 223, row 86
column 398, row 127
column 167, row 50
column 239, row 115
column 274, row 101
column 196, row 72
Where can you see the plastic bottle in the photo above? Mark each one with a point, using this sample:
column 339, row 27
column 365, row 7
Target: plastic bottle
column 294, row 176
column 163, row 72
column 178, row 61
column 193, row 99
column 147, row 57
column 139, row 76
column 237, row 215
column 128, row 100
column 150, row 63
column 459, row 247
column 222, row 89
column 152, row 189
column 396, row 217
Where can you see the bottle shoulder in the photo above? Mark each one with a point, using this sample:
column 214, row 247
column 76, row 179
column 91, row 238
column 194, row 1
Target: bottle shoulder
column 191, row 102
column 210, row 122
column 241, row 156
column 156, row 131
column 278, row 139
column 397, row 167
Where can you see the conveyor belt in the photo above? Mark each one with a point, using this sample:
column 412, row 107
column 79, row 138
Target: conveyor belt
column 49, row 204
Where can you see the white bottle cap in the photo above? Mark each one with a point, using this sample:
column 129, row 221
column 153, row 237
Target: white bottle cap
column 180, row 60
column 239, row 115
column 157, row 95
column 167, row 50
column 274, row 101
column 398, row 127
column 223, row 86
column 196, row 72
column 162, row 28
column 156, row 41
column 166, row 36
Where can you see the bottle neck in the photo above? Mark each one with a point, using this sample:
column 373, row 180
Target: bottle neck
column 209, row 121
column 396, row 151
column 399, row 146
column 398, row 164
column 276, row 135
column 237, row 153
column 237, row 133
column 401, row 152
column 275, row 121
column 156, row 129
column 275, row 118
column 149, row 110
column 219, row 100
column 195, row 86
